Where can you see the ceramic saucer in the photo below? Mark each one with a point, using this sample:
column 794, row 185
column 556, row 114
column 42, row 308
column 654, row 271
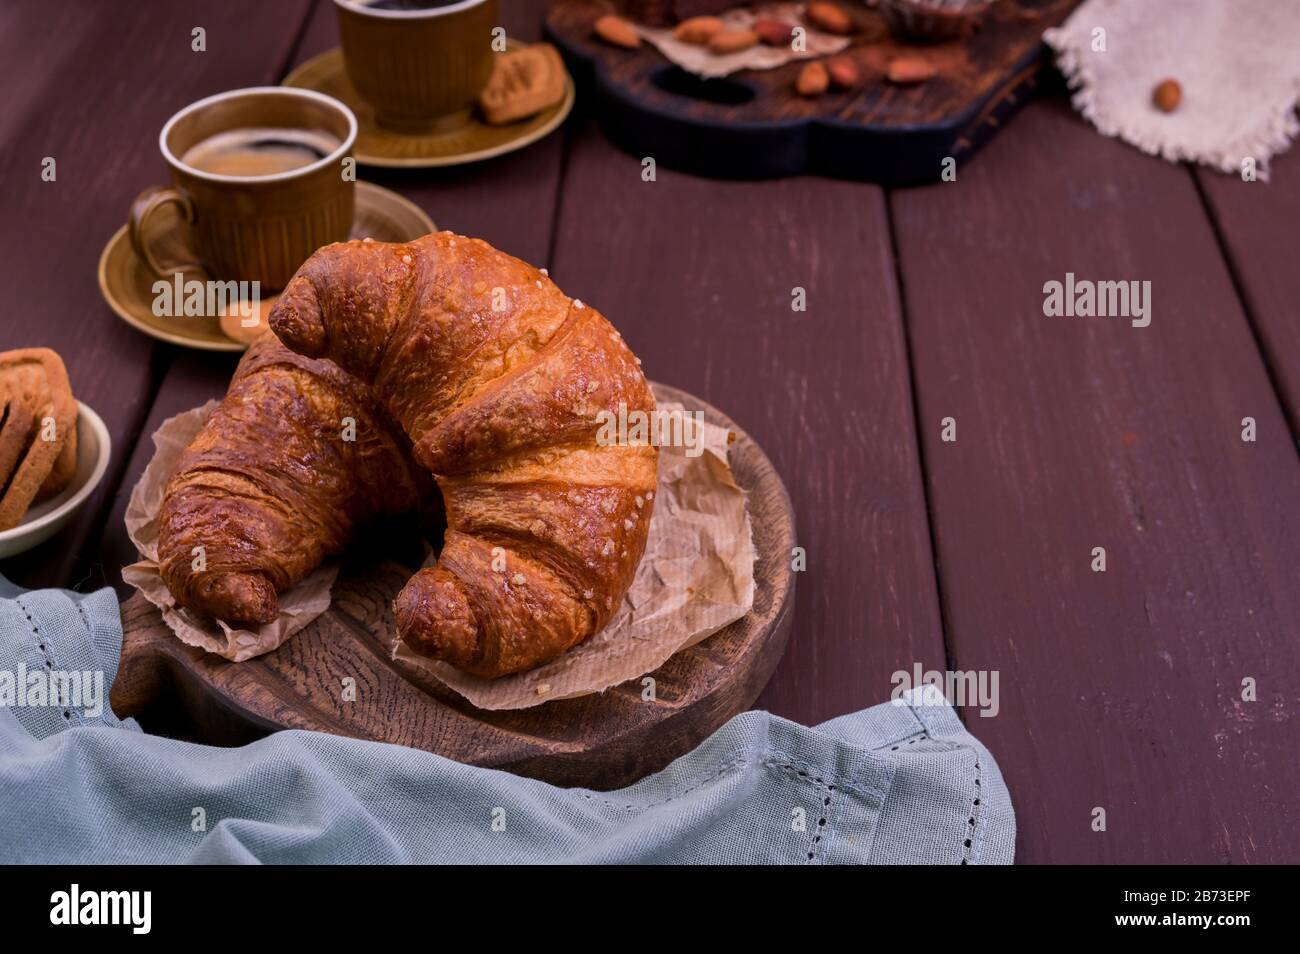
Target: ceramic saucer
column 472, row 142
column 127, row 283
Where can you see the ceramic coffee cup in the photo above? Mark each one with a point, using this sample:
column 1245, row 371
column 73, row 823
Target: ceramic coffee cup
column 255, row 213
column 420, row 63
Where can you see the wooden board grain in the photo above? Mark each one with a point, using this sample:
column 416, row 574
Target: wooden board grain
column 701, row 276
column 605, row 740
column 753, row 125
column 90, row 85
column 1120, row 690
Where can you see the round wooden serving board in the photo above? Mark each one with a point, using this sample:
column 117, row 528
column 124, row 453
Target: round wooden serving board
column 752, row 124
column 605, row 740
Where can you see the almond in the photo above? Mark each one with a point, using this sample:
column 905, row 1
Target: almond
column 911, row 69
column 773, row 32
column 732, row 41
column 1168, row 95
column 698, row 30
column 617, row 32
column 813, row 80
column 844, row 73
column 829, row 17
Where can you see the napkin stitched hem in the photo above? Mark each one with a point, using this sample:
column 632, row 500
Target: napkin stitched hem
column 760, row 789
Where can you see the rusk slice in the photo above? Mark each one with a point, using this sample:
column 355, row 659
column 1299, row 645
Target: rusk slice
column 65, row 465
column 36, row 379
column 16, row 417
column 35, row 467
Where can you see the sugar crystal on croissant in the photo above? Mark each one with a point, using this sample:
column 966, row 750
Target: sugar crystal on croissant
column 498, row 379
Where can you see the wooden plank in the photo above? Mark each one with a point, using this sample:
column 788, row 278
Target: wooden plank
column 92, row 88
column 1120, row 690
column 508, row 201
column 1259, row 226
column 699, row 275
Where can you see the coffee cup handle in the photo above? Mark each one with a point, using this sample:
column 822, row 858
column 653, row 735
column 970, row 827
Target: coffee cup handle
column 141, row 232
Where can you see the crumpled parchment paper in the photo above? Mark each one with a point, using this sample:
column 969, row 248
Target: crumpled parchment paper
column 697, row 576
column 299, row 605
column 700, row 61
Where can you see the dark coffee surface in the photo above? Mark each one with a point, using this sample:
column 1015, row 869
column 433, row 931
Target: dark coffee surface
column 409, row 4
column 259, row 151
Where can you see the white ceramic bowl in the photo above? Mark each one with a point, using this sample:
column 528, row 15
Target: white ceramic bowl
column 49, row 516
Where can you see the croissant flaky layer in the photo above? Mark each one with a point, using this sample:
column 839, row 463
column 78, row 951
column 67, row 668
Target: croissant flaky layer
column 295, row 457
column 500, row 381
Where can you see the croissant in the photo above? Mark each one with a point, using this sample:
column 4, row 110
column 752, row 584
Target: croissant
column 292, row 460
column 500, row 381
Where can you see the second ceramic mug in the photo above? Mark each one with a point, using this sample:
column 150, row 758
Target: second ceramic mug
column 420, row 63
column 257, row 227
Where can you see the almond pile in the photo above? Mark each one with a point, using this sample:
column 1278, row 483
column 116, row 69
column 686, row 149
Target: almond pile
column 713, row 34
column 816, row 77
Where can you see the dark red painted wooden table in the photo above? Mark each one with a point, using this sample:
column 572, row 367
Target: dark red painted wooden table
column 1120, row 690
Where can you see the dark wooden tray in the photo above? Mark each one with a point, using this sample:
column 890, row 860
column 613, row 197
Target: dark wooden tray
column 752, row 125
column 601, row 741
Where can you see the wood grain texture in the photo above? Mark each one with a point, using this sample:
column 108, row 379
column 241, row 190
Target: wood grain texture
column 508, row 202
column 604, row 741
column 91, row 85
column 1258, row 222
column 1119, row 690
column 752, row 124
column 1123, row 689
column 699, row 277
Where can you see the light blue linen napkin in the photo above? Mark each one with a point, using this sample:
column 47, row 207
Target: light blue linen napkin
column 901, row 782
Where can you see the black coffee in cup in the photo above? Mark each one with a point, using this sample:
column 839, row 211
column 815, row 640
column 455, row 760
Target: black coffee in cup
column 259, row 151
column 408, row 4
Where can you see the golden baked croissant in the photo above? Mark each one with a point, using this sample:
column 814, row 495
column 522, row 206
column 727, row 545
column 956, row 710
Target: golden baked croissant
column 499, row 379
column 294, row 457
